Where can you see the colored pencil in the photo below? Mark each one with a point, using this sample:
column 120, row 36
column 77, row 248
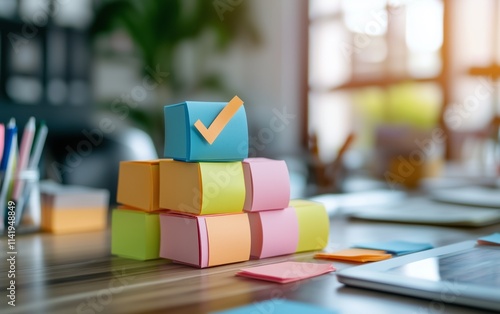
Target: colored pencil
column 24, row 156
column 2, row 141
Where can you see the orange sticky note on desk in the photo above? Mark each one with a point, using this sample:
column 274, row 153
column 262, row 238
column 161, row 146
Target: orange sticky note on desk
column 355, row 255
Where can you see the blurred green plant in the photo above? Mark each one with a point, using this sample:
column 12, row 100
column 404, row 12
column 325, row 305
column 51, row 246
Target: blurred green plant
column 159, row 27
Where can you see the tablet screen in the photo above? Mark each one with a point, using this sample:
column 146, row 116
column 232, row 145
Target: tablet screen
column 479, row 265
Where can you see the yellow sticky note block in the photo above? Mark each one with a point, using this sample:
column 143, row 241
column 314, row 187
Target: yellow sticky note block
column 202, row 188
column 228, row 239
column 314, row 225
column 138, row 184
column 355, row 255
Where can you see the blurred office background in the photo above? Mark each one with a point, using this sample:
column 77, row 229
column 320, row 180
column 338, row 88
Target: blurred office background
column 310, row 72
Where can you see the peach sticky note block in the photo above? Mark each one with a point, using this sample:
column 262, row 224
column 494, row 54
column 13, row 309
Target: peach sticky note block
column 286, row 272
column 204, row 241
column 314, row 225
column 229, row 239
column 138, row 184
column 355, row 255
column 267, row 184
column 202, row 188
column 274, row 232
column 68, row 209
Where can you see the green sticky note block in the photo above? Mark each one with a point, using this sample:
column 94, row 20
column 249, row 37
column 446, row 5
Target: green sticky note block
column 314, row 225
column 135, row 234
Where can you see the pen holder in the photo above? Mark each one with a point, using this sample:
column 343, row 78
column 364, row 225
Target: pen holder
column 28, row 205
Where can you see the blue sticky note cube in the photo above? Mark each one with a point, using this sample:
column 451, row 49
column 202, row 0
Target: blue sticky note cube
column 184, row 142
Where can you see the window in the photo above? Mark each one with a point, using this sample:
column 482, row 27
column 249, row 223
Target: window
column 403, row 62
column 373, row 62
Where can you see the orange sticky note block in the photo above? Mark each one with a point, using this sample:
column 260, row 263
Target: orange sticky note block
column 138, row 184
column 286, row 272
column 202, row 188
column 355, row 255
column 204, row 241
column 314, row 225
column 228, row 239
column 68, row 209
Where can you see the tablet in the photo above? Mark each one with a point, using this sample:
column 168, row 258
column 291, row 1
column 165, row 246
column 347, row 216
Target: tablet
column 462, row 273
column 470, row 196
column 424, row 211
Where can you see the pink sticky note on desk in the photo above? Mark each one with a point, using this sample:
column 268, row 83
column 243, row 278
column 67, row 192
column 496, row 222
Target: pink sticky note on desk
column 267, row 184
column 286, row 272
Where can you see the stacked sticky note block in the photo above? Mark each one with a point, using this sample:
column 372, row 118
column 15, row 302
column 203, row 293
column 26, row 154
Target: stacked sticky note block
column 279, row 226
column 204, row 186
column 135, row 227
column 214, row 205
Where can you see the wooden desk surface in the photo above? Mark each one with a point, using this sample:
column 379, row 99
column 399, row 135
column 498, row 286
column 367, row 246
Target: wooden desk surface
column 77, row 274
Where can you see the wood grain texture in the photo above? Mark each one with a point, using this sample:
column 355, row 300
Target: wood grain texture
column 77, row 274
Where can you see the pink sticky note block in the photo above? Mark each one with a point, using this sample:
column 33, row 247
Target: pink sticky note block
column 267, row 184
column 185, row 248
column 274, row 232
column 286, row 272
column 204, row 241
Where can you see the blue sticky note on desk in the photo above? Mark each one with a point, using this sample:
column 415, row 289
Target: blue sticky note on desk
column 395, row 247
column 490, row 239
column 279, row 306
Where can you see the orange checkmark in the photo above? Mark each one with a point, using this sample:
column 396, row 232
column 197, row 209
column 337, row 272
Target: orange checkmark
column 220, row 121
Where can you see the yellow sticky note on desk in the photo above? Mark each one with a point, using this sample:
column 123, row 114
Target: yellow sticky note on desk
column 355, row 255
column 202, row 188
column 314, row 225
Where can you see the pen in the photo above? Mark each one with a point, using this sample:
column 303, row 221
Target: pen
column 8, row 166
column 2, row 140
column 24, row 152
column 38, row 144
column 11, row 128
column 36, row 152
